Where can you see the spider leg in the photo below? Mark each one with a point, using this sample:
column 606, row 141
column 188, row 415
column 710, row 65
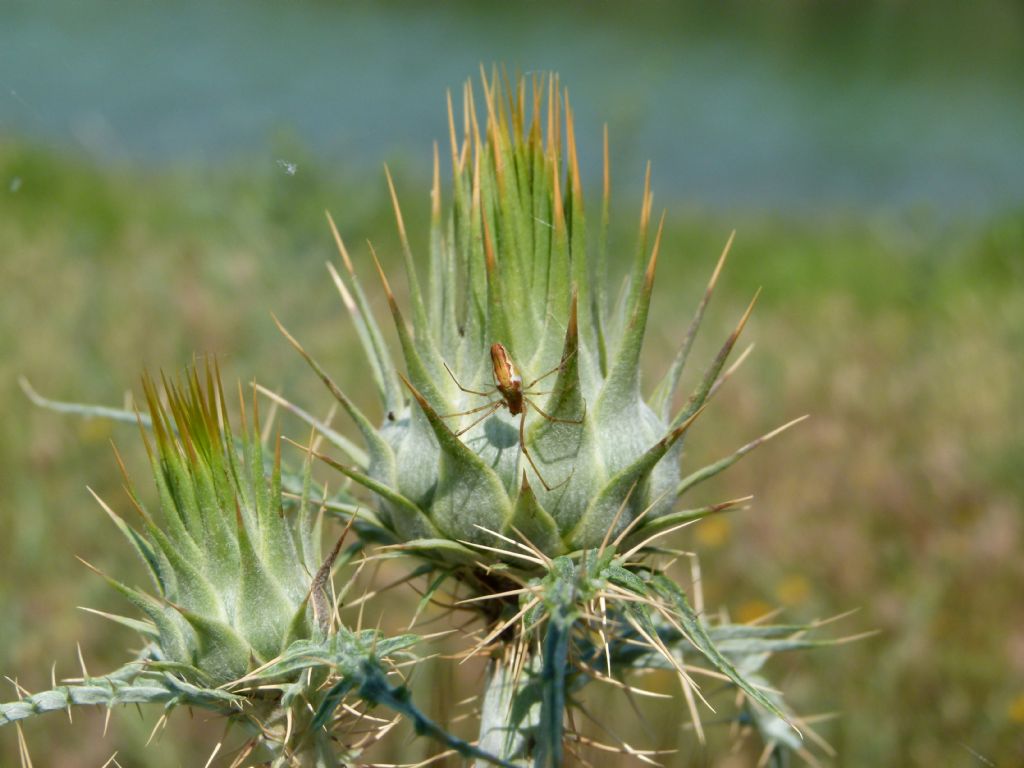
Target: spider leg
column 493, row 407
column 473, row 410
column 529, row 458
column 561, row 364
column 549, row 417
column 468, row 391
column 526, row 453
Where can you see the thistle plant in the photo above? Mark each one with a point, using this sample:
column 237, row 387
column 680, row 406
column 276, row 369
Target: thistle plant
column 518, row 455
column 517, row 460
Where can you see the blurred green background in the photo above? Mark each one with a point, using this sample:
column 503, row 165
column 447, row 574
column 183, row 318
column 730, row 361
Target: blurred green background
column 164, row 168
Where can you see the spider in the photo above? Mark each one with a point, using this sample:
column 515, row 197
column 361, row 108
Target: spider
column 508, row 384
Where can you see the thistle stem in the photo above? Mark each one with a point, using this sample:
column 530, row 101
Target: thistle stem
column 500, row 735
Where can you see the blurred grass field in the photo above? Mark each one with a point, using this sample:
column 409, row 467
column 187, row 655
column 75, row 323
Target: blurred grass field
column 902, row 497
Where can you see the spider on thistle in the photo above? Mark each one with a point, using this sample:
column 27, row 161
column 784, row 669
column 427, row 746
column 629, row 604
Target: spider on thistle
column 508, row 384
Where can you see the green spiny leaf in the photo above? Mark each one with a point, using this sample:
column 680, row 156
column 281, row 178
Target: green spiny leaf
column 699, row 636
column 700, row 395
column 661, row 400
column 129, row 685
column 370, row 337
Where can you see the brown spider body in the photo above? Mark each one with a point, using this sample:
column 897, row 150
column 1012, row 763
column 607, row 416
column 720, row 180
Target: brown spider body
column 508, row 383
column 513, row 396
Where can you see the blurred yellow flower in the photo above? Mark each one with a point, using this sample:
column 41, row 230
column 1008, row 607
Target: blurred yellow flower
column 713, row 532
column 793, row 589
column 752, row 610
column 1016, row 709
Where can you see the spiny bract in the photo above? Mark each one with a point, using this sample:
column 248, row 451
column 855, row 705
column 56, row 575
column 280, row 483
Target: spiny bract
column 510, row 264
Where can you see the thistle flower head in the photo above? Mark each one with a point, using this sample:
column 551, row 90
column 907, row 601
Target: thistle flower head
column 520, row 411
column 232, row 574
